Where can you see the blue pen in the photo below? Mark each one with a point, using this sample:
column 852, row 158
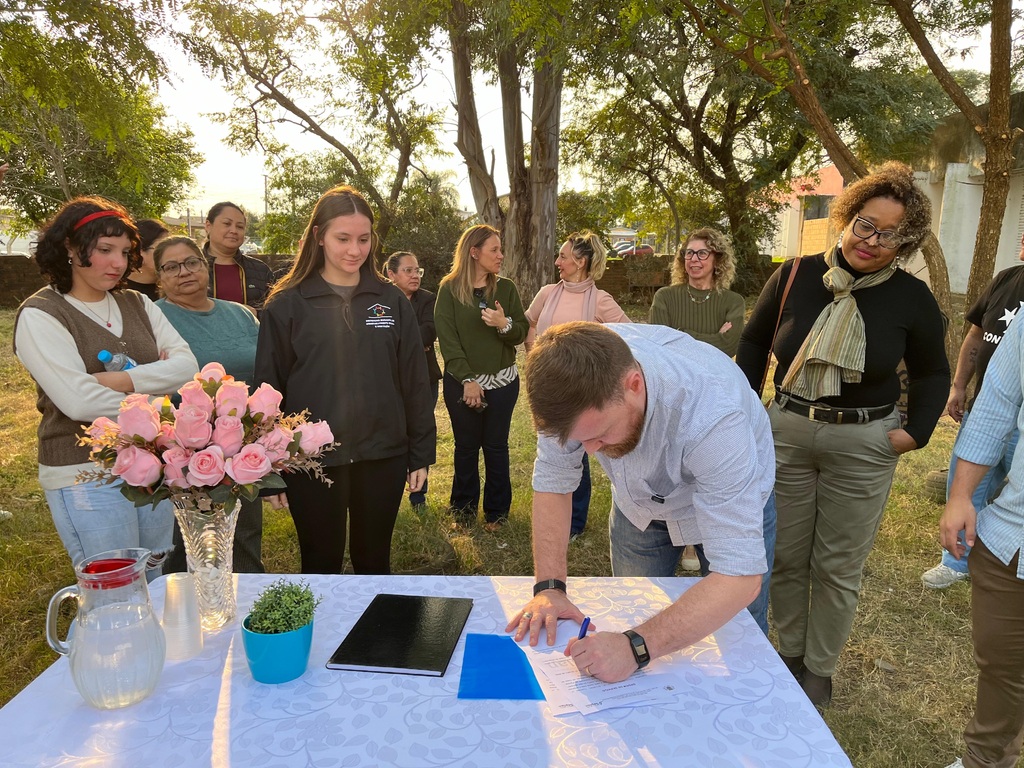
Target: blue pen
column 583, row 628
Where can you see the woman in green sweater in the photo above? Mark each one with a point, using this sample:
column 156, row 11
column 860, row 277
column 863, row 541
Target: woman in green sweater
column 698, row 301
column 480, row 320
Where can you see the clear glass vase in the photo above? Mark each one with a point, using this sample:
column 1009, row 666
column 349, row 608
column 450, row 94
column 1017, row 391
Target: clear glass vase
column 209, row 537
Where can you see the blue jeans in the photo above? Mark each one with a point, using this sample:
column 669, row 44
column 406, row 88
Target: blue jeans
column 420, row 497
column 93, row 518
column 581, row 500
column 651, row 553
column 987, row 490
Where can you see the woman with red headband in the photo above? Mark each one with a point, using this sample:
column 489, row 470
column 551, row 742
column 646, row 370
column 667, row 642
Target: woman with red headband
column 86, row 252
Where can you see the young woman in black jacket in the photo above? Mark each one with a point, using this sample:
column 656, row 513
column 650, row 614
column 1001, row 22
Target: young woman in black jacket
column 338, row 340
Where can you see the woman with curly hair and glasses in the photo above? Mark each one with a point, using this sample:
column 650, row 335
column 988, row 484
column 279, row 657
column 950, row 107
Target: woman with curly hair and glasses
column 86, row 253
column 699, row 301
column 851, row 315
column 580, row 261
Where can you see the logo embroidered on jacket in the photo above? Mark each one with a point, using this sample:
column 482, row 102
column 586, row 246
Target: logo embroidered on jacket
column 380, row 317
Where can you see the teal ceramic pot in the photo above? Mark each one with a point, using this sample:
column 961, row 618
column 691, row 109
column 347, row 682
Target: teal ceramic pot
column 277, row 658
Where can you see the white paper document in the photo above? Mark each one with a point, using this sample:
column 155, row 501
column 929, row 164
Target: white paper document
column 568, row 690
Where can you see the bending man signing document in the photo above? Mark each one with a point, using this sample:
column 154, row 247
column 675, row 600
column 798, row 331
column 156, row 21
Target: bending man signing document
column 688, row 449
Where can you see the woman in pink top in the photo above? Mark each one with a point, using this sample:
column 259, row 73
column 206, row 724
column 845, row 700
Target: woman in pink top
column 580, row 262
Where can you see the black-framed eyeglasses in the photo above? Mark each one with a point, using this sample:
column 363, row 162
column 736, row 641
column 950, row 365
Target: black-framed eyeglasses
column 865, row 230
column 481, row 296
column 173, row 268
column 702, row 255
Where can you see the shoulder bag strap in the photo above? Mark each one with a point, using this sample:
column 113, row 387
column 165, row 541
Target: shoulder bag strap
column 778, row 322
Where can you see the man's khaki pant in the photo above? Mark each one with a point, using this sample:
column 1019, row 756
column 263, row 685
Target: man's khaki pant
column 993, row 735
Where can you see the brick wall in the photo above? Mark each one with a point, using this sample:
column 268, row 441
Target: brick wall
column 19, row 279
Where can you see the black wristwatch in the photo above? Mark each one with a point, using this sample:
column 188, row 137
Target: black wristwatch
column 639, row 647
column 540, row 586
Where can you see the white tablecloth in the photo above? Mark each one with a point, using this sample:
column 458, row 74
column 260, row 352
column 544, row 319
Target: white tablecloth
column 738, row 705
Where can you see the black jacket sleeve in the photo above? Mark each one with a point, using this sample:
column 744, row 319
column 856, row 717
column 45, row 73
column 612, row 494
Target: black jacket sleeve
column 756, row 342
column 416, row 396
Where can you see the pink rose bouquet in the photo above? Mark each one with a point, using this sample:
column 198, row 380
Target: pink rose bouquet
column 222, row 442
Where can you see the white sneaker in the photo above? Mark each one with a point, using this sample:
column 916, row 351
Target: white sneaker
column 942, row 576
column 690, row 561
column 958, row 764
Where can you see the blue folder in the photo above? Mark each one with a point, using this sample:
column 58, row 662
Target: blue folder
column 494, row 667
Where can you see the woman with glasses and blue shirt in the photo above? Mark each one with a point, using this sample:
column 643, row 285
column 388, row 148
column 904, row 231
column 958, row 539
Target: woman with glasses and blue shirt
column 404, row 271
column 580, row 261
column 699, row 301
column 216, row 331
column 850, row 316
column 480, row 320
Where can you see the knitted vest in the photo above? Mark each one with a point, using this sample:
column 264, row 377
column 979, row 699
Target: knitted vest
column 58, row 435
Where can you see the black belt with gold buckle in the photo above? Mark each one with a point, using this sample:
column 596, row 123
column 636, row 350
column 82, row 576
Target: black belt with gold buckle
column 829, row 415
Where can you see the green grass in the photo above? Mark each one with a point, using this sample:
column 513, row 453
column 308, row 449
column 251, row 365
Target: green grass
column 904, row 687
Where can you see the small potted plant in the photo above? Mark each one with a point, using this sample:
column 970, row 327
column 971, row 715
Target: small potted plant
column 278, row 632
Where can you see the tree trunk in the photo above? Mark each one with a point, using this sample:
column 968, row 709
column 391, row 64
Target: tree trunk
column 515, row 235
column 997, row 138
column 751, row 270
column 938, row 277
column 468, row 141
column 537, row 266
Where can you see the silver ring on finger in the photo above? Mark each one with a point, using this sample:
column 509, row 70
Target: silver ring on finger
column 587, row 670
column 527, row 615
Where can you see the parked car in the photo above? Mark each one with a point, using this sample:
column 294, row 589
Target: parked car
column 629, row 249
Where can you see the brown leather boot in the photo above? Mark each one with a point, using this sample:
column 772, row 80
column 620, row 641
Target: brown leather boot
column 817, row 688
column 795, row 665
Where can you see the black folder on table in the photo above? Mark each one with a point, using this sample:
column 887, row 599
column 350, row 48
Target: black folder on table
column 404, row 634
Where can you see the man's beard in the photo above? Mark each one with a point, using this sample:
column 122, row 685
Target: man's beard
column 618, row 450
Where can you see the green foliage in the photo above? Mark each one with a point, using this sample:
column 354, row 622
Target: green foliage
column 82, row 132
column 344, row 75
column 582, row 210
column 427, row 221
column 283, row 606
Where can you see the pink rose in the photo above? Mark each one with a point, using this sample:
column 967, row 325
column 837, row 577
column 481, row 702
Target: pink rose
column 134, row 399
column 137, row 466
column 193, row 394
column 206, row 467
column 249, row 465
column 192, row 428
column 232, row 398
column 265, row 400
column 99, row 428
column 211, row 372
column 175, row 462
column 313, row 437
column 138, row 418
column 228, row 433
column 276, row 442
column 165, row 439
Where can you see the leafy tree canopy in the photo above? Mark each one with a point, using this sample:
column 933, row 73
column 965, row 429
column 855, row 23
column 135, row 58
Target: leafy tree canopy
column 77, row 115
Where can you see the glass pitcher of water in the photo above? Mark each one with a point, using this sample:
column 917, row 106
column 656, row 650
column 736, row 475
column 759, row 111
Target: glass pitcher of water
column 115, row 645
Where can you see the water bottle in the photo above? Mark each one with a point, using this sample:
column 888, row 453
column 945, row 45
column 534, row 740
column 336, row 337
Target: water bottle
column 118, row 362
